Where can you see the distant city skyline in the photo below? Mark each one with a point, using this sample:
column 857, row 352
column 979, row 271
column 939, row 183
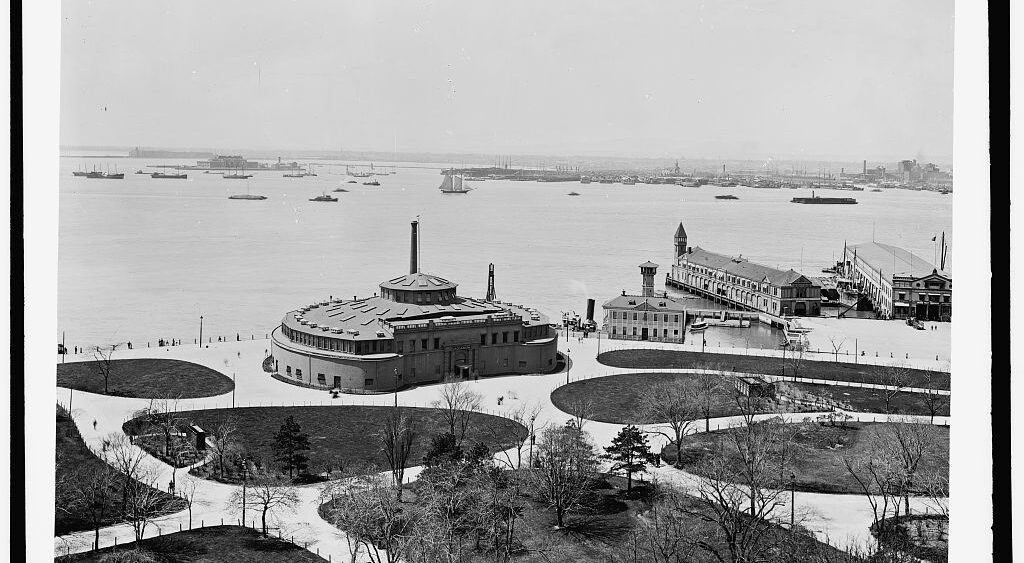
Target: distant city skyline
column 779, row 80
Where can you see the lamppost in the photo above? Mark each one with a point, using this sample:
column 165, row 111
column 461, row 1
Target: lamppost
column 792, row 501
column 245, row 482
column 233, row 387
column 703, row 342
column 568, row 365
column 200, row 331
column 784, row 345
column 397, row 376
column 533, row 438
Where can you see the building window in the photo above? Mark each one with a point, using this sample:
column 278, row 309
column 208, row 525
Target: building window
column 664, row 333
column 902, row 296
column 288, row 370
column 423, row 345
column 494, row 338
column 504, row 337
column 522, row 364
column 634, row 331
column 412, row 346
column 437, row 343
column 614, row 330
column 298, row 372
column 483, row 339
column 676, row 319
column 634, row 316
column 515, row 336
column 401, row 345
column 645, row 316
column 368, row 383
column 675, row 332
column 321, row 379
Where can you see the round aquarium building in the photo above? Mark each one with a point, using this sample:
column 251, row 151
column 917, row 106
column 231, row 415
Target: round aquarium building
column 416, row 330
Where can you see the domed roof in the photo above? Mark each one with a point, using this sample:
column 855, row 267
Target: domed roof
column 418, row 281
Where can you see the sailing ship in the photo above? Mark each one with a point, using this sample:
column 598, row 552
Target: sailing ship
column 357, row 173
column 453, row 184
column 238, row 175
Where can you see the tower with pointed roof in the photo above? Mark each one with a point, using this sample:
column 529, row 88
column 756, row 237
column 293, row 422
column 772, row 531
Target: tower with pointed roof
column 648, row 270
column 680, row 239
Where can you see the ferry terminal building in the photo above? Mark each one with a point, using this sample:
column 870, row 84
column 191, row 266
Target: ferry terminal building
column 899, row 283
column 416, row 330
column 741, row 284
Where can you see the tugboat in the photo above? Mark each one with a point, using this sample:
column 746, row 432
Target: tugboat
column 698, row 325
column 323, row 197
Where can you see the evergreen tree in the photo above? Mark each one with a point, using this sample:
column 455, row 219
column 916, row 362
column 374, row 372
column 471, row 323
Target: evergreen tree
column 290, row 445
column 444, row 448
column 630, row 453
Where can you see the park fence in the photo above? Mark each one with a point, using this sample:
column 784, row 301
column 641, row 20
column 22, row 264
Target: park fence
column 111, row 538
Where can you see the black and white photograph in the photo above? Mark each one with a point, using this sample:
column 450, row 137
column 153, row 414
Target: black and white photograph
column 468, row 282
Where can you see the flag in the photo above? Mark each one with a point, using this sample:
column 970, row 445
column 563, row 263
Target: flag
column 933, row 239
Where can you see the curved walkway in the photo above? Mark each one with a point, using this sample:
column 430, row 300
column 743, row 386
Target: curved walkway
column 838, row 517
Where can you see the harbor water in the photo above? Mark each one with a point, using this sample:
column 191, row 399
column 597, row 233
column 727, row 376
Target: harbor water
column 142, row 258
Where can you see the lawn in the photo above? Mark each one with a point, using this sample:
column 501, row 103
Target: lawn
column 619, row 399
column 817, row 460
column 342, row 436
column 147, row 378
column 678, row 359
column 221, row 544
column 75, row 459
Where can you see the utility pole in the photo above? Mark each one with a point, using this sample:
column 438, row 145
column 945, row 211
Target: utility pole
column 63, row 347
column 568, row 365
column 200, row 331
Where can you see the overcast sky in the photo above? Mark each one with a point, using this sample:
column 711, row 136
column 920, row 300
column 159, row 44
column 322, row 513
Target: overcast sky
column 830, row 80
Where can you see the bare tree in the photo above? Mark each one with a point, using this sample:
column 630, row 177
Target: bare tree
column 567, row 464
column 932, row 400
column 188, row 493
column 91, row 493
column 268, row 494
column 672, row 404
column 524, row 418
column 894, row 378
column 665, row 533
column 371, row 516
column 907, row 445
column 936, row 489
column 396, row 439
column 104, row 357
column 837, row 345
column 163, row 416
column 126, row 458
column 145, row 502
column 707, row 389
column 223, row 443
column 581, row 409
column 725, row 503
column 457, row 404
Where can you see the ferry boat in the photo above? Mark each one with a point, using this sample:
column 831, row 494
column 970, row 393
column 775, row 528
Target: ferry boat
column 698, row 325
column 815, row 199
column 453, row 184
column 323, row 197
column 727, row 196
column 169, row 175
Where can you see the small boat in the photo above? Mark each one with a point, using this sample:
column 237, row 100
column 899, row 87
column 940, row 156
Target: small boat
column 351, row 182
column 727, row 196
column 341, row 190
column 294, row 175
column 141, row 171
column 573, row 193
column 323, row 197
column 169, row 175
column 371, row 183
column 698, row 325
column 876, row 189
column 237, row 176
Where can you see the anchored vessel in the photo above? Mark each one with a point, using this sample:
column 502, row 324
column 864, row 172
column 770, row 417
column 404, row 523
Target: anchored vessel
column 415, row 330
column 727, row 196
column 169, row 175
column 323, row 197
column 817, row 199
